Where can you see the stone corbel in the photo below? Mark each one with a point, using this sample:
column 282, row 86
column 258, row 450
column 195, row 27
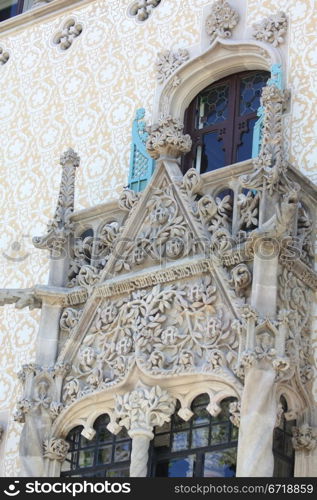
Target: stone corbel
column 139, row 411
column 55, row 451
column 167, row 140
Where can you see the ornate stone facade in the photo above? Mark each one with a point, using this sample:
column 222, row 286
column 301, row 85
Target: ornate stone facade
column 174, row 288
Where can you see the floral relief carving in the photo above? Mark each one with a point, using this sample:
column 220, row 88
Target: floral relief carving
column 178, row 328
column 222, row 20
column 67, row 35
column 235, row 410
column 167, row 139
column 4, row 56
column 168, row 61
column 55, row 449
column 144, row 408
column 69, row 318
column 304, row 438
column 272, row 29
column 142, row 9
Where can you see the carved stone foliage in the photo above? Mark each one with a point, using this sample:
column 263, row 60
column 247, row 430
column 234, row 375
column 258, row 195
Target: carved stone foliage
column 4, row 56
column 168, row 61
column 222, row 20
column 89, row 249
column 164, row 234
column 296, row 298
column 304, row 438
column 56, row 449
column 178, row 328
column 67, row 35
column 144, row 408
column 142, row 9
column 60, row 227
column 69, row 318
column 235, row 410
column 271, row 29
column 167, row 139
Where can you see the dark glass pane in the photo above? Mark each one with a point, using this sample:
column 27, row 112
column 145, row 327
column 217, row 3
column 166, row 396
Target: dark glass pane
column 213, row 105
column 179, row 424
column 122, row 452
column 118, row 472
column 244, row 150
column 224, row 414
column 220, row 463
column 288, row 447
column 282, row 468
column 177, row 467
column 250, row 92
column 180, row 441
column 234, row 433
column 86, row 458
column 200, row 437
column 8, row 8
column 201, row 416
column 104, row 455
column 219, row 434
column 201, row 400
column 213, row 155
column 105, row 436
column 162, row 441
column 278, row 441
column 164, row 428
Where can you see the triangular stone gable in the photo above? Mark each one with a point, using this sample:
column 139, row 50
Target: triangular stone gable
column 160, row 229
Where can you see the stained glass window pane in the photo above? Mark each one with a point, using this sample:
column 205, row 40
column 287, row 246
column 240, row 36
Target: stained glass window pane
column 180, row 441
column 250, row 92
column 104, row 455
column 8, row 8
column 213, row 155
column 220, row 463
column 219, row 434
column 213, row 106
column 86, row 458
column 200, row 437
column 122, row 452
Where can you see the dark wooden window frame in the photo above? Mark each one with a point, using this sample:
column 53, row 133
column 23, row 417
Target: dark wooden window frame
column 230, row 131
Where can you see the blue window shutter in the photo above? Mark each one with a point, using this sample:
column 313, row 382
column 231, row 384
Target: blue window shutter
column 277, row 80
column 141, row 164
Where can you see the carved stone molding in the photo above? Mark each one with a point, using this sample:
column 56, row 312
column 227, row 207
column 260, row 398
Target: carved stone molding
column 61, row 226
column 64, row 38
column 167, row 139
column 272, row 29
column 56, row 449
column 168, row 61
column 144, row 408
column 4, row 56
column 142, row 9
column 20, row 297
column 304, row 438
column 222, row 20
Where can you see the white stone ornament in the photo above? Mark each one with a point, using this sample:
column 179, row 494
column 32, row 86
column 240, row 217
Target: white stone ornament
column 304, row 438
column 4, row 56
column 167, row 139
column 222, row 20
column 64, row 38
column 272, row 29
column 142, row 9
column 168, row 61
column 56, row 449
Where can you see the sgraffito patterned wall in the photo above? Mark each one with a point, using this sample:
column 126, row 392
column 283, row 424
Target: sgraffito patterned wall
column 86, row 97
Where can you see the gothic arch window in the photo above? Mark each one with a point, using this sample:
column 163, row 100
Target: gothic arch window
column 106, row 455
column 204, row 446
column 221, row 119
column 282, row 445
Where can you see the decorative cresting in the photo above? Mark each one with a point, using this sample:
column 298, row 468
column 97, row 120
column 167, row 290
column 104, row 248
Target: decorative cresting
column 167, row 139
column 272, row 29
column 60, row 227
column 304, row 438
column 64, row 38
column 4, row 56
column 222, row 20
column 142, row 9
column 168, row 61
column 139, row 412
column 141, row 164
column 55, row 449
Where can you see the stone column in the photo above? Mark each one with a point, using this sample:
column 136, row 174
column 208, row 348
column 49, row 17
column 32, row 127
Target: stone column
column 139, row 411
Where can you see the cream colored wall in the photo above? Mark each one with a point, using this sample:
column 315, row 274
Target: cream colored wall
column 85, row 98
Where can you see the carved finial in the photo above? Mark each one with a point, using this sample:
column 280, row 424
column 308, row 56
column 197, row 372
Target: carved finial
column 272, row 29
column 222, row 20
column 70, row 158
column 60, row 226
column 167, row 139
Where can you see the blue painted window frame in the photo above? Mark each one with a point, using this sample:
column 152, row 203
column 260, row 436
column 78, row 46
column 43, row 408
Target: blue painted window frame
column 141, row 164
